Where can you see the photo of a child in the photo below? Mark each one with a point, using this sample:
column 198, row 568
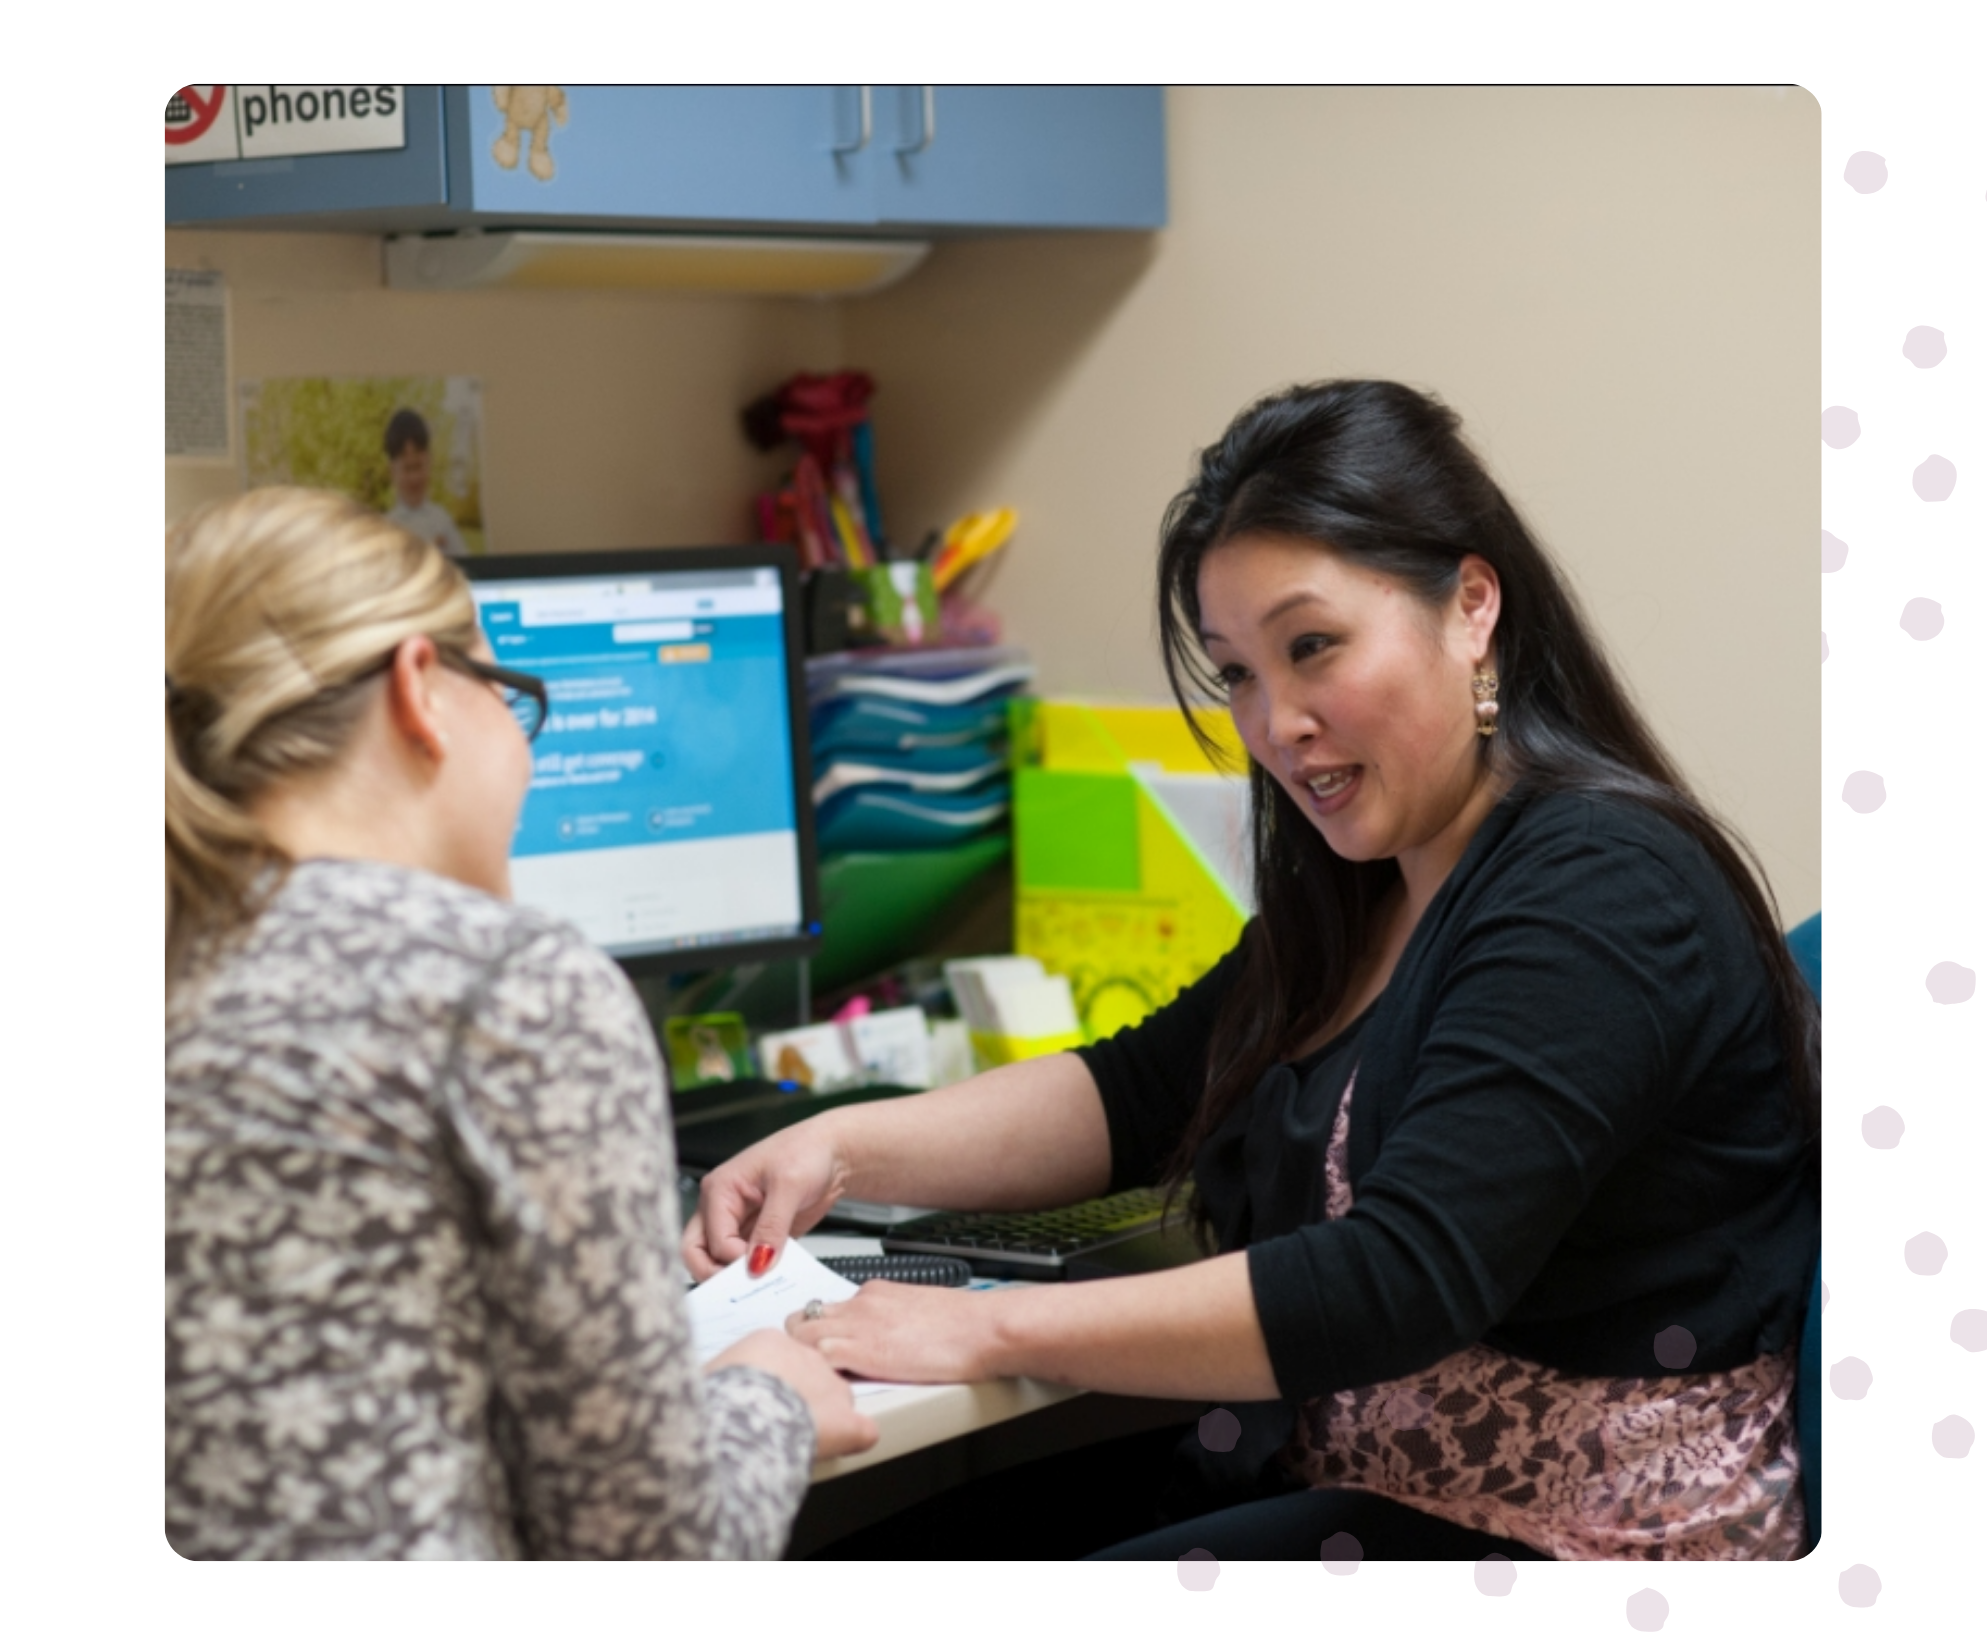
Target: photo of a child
column 411, row 467
column 407, row 446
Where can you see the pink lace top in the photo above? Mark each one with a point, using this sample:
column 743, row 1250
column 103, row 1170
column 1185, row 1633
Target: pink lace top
column 1698, row 1466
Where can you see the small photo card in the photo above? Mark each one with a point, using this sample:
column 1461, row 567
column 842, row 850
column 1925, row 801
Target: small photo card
column 707, row 1050
column 894, row 1046
column 817, row 1057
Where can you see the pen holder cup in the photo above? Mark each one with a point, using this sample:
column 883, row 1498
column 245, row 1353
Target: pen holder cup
column 991, row 1050
column 903, row 606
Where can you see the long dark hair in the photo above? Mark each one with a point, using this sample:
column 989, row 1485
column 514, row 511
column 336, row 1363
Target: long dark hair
column 1381, row 475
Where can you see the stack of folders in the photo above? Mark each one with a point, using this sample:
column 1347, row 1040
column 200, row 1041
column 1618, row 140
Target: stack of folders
column 910, row 747
column 1013, row 1008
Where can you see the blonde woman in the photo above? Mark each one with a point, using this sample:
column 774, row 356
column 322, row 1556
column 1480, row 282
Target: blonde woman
column 422, row 1285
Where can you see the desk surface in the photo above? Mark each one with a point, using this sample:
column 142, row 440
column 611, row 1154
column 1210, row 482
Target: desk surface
column 911, row 1417
column 934, row 1437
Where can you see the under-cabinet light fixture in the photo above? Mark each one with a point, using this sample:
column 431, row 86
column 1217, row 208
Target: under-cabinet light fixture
column 762, row 267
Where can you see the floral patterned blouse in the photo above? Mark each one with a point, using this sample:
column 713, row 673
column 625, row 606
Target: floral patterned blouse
column 423, row 1291
column 1699, row 1466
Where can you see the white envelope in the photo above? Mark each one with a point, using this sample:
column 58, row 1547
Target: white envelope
column 732, row 1304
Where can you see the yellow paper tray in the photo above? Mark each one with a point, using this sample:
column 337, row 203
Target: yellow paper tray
column 994, row 1049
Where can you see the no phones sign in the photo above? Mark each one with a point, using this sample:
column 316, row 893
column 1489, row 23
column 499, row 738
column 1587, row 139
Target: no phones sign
column 205, row 123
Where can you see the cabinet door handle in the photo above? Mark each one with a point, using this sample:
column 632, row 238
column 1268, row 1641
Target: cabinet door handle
column 928, row 122
column 862, row 134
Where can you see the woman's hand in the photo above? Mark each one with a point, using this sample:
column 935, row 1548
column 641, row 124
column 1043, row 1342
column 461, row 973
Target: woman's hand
column 908, row 1333
column 1184, row 1333
column 778, row 1187
column 839, row 1428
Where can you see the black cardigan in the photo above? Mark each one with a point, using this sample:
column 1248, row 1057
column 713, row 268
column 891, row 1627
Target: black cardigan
column 1570, row 1129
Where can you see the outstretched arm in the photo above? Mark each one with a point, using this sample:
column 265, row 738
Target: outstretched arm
column 1028, row 1135
column 1189, row 1333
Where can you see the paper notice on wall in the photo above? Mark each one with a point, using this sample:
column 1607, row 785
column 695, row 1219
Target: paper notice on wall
column 196, row 365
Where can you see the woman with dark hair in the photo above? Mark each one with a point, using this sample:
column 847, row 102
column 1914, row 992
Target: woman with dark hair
column 1501, row 1117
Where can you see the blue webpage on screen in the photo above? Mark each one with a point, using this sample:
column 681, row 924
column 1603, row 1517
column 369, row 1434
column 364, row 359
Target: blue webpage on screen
column 662, row 809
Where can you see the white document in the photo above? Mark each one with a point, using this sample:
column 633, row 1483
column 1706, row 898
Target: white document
column 1212, row 813
column 733, row 1304
column 196, row 365
column 852, row 774
column 962, row 689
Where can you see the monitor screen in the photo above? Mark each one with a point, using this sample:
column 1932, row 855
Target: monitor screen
column 669, row 815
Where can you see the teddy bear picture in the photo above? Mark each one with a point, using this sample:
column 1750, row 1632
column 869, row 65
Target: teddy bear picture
column 528, row 112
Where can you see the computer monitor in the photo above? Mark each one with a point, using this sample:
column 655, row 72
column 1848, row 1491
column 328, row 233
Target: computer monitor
column 670, row 816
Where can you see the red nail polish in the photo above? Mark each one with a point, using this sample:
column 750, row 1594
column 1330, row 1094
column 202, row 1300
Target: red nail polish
column 760, row 1260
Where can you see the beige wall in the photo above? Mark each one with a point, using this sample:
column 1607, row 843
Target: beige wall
column 610, row 419
column 1618, row 289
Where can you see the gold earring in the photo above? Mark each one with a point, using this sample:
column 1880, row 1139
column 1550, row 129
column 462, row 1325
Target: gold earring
column 1484, row 684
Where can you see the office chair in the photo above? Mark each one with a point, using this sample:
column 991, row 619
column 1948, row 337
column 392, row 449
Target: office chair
column 1805, row 942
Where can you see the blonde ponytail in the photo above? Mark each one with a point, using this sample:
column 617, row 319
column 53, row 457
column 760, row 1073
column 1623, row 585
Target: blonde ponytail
column 281, row 605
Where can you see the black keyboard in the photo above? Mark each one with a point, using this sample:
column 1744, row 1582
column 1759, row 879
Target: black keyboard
column 1029, row 1244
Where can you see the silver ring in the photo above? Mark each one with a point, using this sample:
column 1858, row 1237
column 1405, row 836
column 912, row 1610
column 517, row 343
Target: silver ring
column 812, row 1310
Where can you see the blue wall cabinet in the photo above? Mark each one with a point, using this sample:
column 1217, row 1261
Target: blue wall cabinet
column 403, row 187
column 833, row 159
column 632, row 155
column 1020, row 156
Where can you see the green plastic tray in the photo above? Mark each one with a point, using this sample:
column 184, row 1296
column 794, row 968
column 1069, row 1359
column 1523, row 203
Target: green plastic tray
column 880, row 908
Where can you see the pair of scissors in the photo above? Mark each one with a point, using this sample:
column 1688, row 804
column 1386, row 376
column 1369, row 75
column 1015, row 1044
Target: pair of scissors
column 970, row 539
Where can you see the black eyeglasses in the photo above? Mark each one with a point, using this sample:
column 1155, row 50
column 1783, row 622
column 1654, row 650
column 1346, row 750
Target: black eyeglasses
column 523, row 694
